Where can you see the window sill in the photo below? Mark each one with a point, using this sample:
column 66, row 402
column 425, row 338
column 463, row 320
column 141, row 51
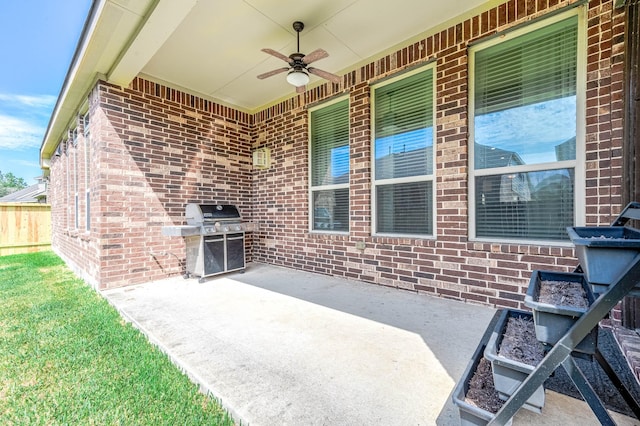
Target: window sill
column 82, row 235
column 406, row 236
column 537, row 243
column 317, row 233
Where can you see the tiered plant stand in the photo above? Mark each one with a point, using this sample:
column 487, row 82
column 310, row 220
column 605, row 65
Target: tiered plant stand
column 563, row 351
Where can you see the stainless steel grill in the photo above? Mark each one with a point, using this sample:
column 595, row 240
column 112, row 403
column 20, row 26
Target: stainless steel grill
column 214, row 237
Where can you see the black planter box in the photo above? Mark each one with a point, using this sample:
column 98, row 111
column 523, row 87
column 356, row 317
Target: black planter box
column 604, row 252
column 553, row 321
column 508, row 374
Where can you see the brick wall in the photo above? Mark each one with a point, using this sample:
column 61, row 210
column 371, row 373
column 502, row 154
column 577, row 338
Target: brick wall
column 449, row 266
column 163, row 149
column 605, row 68
column 70, row 176
column 155, row 149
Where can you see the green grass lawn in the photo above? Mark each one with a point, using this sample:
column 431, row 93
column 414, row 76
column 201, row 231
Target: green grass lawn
column 67, row 357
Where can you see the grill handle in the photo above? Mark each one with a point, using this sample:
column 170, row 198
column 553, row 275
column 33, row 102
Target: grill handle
column 214, row 240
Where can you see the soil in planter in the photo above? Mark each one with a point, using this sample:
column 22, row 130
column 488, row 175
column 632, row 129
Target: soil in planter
column 563, row 293
column 519, row 342
column 482, row 392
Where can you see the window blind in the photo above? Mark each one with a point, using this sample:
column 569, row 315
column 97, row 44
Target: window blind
column 403, row 149
column 405, row 105
column 330, row 168
column 330, row 144
column 533, row 205
column 535, row 67
column 405, row 208
column 404, row 127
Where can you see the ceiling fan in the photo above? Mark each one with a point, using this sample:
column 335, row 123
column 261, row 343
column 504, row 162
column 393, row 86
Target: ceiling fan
column 298, row 71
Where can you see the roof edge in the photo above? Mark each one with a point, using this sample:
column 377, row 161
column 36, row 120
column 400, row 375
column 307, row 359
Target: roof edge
column 81, row 46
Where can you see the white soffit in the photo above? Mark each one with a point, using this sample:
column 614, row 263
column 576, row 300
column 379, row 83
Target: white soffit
column 215, row 51
column 212, row 48
column 166, row 16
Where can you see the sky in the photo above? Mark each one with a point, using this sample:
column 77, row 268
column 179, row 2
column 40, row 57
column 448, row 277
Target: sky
column 37, row 41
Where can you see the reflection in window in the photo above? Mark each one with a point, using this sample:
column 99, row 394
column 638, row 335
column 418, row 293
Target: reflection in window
column 405, row 154
column 340, row 164
column 533, row 134
column 331, row 210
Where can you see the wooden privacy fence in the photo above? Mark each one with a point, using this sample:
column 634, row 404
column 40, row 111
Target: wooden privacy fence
column 24, row 227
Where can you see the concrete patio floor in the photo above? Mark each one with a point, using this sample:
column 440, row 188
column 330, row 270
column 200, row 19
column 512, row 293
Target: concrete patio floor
column 282, row 347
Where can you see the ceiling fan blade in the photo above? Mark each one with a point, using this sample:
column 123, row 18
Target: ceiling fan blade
column 326, row 75
column 273, row 72
column 314, row 56
column 277, row 54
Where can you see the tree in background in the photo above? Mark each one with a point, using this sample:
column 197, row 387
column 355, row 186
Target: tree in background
column 10, row 183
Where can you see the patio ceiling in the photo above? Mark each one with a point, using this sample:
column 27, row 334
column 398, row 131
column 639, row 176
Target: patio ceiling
column 212, row 48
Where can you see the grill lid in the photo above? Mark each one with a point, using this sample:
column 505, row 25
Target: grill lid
column 198, row 214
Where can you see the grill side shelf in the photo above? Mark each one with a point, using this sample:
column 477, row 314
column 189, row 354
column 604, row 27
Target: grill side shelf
column 180, row 231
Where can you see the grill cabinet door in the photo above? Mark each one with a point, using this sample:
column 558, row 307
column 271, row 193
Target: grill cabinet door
column 213, row 255
column 235, row 251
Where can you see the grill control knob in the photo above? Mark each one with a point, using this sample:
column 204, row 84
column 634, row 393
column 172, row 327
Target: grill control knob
column 217, row 225
column 238, row 228
column 226, row 229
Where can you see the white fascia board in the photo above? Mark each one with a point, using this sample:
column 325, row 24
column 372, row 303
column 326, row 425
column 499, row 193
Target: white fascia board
column 108, row 30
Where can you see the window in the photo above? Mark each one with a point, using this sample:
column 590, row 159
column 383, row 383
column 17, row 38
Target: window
column 58, row 151
column 525, row 119
column 73, row 135
column 87, row 170
column 329, row 152
column 403, row 155
column 85, row 124
column 67, row 176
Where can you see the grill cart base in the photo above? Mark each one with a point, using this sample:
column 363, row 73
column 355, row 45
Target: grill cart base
column 214, row 238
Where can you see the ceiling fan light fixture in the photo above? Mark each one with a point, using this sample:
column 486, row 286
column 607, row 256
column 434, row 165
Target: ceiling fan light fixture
column 298, row 77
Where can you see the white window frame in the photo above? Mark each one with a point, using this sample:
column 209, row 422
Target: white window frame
column 578, row 164
column 312, row 188
column 67, row 174
column 73, row 137
column 410, row 179
column 87, row 169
